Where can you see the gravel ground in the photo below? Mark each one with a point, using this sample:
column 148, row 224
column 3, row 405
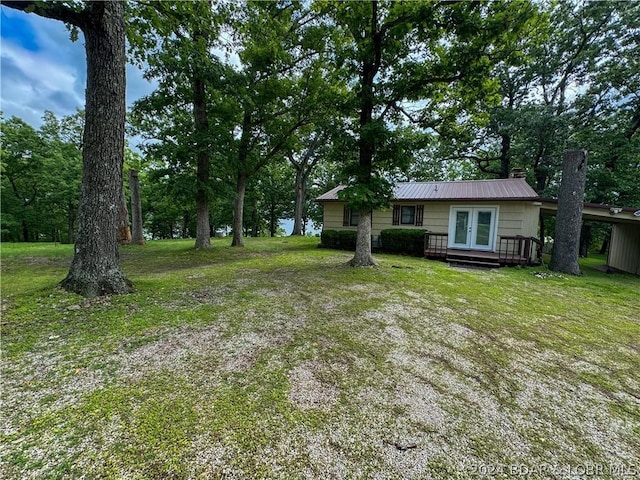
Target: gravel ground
column 423, row 396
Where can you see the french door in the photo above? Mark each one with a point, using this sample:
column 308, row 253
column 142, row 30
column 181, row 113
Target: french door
column 473, row 228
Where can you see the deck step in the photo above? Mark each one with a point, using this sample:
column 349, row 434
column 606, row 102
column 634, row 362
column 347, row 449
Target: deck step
column 480, row 262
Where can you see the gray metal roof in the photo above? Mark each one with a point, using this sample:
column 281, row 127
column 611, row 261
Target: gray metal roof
column 501, row 189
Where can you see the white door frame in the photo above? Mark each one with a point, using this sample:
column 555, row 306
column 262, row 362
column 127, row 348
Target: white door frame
column 471, row 238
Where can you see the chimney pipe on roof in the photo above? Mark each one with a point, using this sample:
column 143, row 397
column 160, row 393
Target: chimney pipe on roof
column 518, row 172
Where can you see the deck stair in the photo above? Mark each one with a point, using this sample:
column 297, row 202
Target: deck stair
column 475, row 259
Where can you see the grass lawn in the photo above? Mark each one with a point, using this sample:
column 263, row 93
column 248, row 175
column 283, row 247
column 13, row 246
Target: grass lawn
column 276, row 361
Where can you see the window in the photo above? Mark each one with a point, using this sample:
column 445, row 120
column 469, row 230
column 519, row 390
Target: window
column 350, row 218
column 408, row 215
column 354, row 218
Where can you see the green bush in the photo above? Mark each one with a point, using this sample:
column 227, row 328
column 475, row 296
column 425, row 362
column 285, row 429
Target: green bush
column 347, row 239
column 344, row 239
column 329, row 238
column 403, row 240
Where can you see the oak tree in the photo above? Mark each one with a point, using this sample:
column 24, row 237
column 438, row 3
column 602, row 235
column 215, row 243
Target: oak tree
column 95, row 269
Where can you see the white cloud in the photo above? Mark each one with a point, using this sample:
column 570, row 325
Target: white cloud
column 53, row 77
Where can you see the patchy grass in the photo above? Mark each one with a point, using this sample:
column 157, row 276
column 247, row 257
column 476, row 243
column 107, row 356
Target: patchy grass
column 276, row 361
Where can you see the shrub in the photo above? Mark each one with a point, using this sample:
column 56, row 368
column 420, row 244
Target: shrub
column 347, row 239
column 344, row 239
column 403, row 240
column 329, row 238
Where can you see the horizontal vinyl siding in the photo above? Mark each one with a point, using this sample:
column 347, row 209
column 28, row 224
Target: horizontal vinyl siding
column 518, row 218
column 514, row 218
column 332, row 217
column 436, row 217
column 624, row 251
column 382, row 219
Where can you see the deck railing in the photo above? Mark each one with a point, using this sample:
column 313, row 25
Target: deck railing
column 518, row 250
column 435, row 244
column 512, row 250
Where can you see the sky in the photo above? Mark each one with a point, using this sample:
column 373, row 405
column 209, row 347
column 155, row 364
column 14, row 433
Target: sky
column 42, row 69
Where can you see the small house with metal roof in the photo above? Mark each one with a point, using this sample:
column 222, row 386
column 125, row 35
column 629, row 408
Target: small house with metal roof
column 478, row 221
column 490, row 222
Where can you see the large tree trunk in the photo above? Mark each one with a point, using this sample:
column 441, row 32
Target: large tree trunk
column 203, row 235
column 569, row 218
column 95, row 269
column 366, row 142
column 301, row 194
column 362, row 257
column 585, row 240
column 124, row 228
column 136, row 208
column 238, row 210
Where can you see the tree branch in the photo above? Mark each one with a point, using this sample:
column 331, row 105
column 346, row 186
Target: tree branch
column 54, row 10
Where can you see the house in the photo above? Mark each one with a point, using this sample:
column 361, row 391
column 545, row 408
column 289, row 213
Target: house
column 480, row 221
column 493, row 222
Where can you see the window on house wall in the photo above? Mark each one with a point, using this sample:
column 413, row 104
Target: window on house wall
column 354, row 218
column 351, row 217
column 408, row 215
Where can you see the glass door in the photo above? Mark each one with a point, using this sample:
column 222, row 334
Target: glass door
column 482, row 229
column 472, row 228
column 460, row 234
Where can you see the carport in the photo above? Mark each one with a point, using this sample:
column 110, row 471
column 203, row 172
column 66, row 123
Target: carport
column 624, row 248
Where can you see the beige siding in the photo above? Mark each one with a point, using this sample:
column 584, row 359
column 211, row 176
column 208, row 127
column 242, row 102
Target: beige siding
column 518, row 218
column 514, row 218
column 624, row 251
column 332, row 216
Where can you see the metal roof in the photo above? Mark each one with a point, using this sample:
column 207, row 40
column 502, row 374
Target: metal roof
column 501, row 189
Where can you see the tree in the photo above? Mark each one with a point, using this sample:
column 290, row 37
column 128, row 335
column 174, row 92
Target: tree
column 396, row 54
column 95, row 269
column 41, row 178
column 176, row 40
column 572, row 81
column 63, row 140
column 276, row 88
column 567, row 238
column 274, row 187
column 22, row 159
column 136, row 208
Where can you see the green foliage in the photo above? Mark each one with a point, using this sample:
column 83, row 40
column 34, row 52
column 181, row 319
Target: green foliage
column 342, row 239
column 41, row 175
column 403, row 240
column 571, row 81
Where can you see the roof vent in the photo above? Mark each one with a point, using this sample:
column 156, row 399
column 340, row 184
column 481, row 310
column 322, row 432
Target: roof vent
column 518, row 172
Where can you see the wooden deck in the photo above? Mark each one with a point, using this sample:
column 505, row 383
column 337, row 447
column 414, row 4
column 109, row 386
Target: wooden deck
column 513, row 250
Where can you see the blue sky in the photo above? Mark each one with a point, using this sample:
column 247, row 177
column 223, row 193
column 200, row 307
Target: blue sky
column 42, row 69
